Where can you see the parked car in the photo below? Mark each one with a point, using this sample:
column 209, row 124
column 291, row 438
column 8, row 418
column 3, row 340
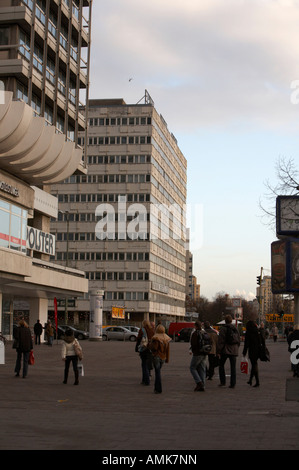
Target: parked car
column 118, row 333
column 132, row 328
column 79, row 334
column 184, row 334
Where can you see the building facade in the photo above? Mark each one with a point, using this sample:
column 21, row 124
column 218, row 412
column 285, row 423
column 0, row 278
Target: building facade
column 124, row 222
column 42, row 70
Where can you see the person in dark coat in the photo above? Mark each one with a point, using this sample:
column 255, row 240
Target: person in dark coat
column 253, row 341
column 38, row 329
column 144, row 336
column 228, row 348
column 23, row 344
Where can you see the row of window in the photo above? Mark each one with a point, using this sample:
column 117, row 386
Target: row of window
column 102, row 197
column 118, row 140
column 118, row 159
column 131, row 121
column 100, row 235
column 102, row 256
column 92, row 217
column 116, row 276
column 118, row 295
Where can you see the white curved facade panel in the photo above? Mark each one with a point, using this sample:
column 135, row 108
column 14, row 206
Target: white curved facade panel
column 14, row 125
column 39, row 149
column 28, row 141
column 70, row 169
column 32, row 150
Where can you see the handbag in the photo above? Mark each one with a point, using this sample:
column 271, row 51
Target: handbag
column 78, row 350
column 244, row 366
column 264, row 354
column 144, row 342
column 31, row 360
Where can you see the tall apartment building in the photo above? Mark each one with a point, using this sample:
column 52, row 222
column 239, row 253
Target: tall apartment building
column 124, row 223
column 44, row 66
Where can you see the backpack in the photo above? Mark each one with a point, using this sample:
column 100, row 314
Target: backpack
column 204, row 340
column 232, row 336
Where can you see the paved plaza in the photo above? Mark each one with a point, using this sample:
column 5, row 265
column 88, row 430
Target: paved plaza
column 110, row 410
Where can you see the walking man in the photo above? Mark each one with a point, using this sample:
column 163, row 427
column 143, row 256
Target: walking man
column 228, row 348
column 198, row 361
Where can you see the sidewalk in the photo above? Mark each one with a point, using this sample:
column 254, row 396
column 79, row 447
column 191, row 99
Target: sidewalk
column 110, row 410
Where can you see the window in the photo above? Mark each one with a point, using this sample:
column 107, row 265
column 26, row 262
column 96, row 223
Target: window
column 13, row 227
column 4, row 36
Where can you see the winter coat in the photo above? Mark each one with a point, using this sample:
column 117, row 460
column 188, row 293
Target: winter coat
column 159, row 344
column 23, row 339
column 149, row 333
column 214, row 339
column 222, row 346
column 68, row 346
column 253, row 341
column 195, row 345
column 38, row 329
column 49, row 330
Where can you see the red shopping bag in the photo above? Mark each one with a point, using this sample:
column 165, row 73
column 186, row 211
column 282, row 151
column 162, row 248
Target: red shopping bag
column 244, row 366
column 31, row 358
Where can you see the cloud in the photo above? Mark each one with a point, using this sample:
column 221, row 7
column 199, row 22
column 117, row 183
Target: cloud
column 217, row 62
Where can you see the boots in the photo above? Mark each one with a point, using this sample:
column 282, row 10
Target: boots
column 76, row 378
column 65, row 377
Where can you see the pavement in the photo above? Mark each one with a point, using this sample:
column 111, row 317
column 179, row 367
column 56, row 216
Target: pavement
column 111, row 411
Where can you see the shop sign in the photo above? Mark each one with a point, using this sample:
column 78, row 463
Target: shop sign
column 8, row 188
column 274, row 317
column 40, row 241
column 118, row 312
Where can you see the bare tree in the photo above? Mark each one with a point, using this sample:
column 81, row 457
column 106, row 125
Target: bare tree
column 287, row 185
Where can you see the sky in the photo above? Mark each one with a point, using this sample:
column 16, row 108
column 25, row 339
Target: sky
column 225, row 76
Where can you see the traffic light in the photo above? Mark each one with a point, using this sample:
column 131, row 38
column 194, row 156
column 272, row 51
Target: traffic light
column 281, row 313
column 258, row 280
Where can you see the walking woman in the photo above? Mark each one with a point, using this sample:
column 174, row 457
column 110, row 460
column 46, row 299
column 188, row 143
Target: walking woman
column 144, row 337
column 23, row 344
column 160, row 349
column 253, row 342
column 69, row 355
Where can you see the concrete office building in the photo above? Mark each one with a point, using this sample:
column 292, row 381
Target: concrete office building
column 124, row 223
column 42, row 70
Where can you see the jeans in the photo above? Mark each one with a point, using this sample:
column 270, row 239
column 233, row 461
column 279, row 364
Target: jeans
column 232, row 360
column 198, row 368
column 19, row 362
column 68, row 360
column 157, row 362
column 146, row 365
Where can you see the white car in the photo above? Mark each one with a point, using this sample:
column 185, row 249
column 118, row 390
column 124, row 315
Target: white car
column 132, row 328
column 119, row 333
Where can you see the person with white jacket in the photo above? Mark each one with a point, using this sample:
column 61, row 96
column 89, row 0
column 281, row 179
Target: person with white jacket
column 69, row 355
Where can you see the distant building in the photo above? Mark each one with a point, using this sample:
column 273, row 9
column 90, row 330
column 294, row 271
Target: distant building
column 124, row 222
